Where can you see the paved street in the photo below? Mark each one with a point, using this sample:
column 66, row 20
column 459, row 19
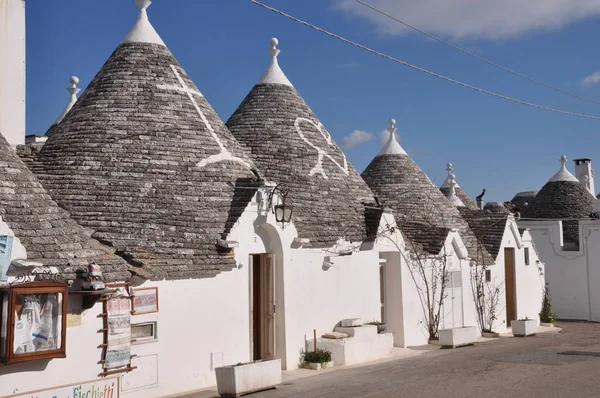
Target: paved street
column 508, row 367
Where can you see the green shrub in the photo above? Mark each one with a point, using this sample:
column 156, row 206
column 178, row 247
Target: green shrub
column 319, row 356
column 546, row 314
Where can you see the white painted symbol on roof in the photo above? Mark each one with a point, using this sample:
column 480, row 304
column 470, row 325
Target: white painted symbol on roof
column 321, row 152
column 224, row 155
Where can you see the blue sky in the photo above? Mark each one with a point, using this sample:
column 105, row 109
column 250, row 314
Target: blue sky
column 223, row 46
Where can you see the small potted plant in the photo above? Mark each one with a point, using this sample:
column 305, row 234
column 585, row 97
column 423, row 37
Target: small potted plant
column 381, row 326
column 524, row 327
column 317, row 360
column 489, row 333
column 547, row 317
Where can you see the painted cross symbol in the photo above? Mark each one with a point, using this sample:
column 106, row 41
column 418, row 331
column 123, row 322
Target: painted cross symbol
column 224, row 154
column 321, row 152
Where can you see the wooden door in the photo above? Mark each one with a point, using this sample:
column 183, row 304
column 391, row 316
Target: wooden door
column 268, row 307
column 509, row 283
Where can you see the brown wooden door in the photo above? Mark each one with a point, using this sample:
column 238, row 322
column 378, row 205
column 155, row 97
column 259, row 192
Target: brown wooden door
column 509, row 283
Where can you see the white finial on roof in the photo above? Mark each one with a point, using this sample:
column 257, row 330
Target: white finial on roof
column 446, row 183
column 274, row 74
column 392, row 147
column 143, row 31
column 563, row 174
column 455, row 200
column 74, row 80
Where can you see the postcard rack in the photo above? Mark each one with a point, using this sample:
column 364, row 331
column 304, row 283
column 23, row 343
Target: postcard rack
column 105, row 331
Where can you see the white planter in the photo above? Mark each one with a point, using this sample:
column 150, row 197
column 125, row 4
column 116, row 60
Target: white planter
column 548, row 325
column 458, row 337
column 524, row 328
column 318, row 365
column 233, row 381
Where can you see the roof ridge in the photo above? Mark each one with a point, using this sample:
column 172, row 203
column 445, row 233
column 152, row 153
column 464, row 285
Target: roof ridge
column 563, row 174
column 143, row 31
column 392, row 146
column 274, row 74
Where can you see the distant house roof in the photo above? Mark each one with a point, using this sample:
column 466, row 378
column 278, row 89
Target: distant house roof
column 291, row 146
column 488, row 227
column 402, row 186
column 46, row 231
column 73, row 90
column 143, row 159
column 562, row 197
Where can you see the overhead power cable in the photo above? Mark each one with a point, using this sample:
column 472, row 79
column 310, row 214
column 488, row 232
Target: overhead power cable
column 481, row 90
column 487, row 61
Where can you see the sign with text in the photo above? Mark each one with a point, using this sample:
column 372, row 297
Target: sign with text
column 105, row 388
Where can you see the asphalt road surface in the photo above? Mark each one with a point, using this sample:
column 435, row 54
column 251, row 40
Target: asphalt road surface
column 564, row 364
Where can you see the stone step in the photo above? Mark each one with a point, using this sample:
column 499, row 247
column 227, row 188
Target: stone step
column 359, row 332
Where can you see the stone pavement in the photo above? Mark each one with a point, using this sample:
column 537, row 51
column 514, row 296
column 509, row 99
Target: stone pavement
column 448, row 373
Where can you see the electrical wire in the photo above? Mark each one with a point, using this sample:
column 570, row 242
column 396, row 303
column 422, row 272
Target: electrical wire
column 448, row 79
column 467, row 52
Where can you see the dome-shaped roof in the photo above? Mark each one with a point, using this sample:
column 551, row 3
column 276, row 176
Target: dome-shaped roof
column 524, row 199
column 402, row 186
column 46, row 231
column 563, row 197
column 291, row 146
column 496, row 207
column 143, row 159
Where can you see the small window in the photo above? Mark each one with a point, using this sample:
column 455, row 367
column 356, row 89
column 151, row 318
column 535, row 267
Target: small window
column 456, row 279
column 526, row 256
column 33, row 322
column 143, row 332
column 488, row 275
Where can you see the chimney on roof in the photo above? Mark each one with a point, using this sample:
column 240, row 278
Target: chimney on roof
column 479, row 199
column 585, row 173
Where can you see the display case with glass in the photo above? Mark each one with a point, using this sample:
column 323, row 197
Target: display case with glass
column 33, row 321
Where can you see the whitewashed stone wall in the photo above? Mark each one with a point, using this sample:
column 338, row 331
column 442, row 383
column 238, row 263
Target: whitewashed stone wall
column 12, row 71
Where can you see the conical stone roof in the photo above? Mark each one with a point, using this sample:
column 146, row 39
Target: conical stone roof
column 290, row 146
column 402, row 186
column 143, row 159
column 563, row 197
column 46, row 231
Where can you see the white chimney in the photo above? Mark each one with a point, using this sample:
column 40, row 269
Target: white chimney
column 585, row 173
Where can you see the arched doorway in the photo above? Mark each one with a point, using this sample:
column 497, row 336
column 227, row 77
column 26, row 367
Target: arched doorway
column 267, row 299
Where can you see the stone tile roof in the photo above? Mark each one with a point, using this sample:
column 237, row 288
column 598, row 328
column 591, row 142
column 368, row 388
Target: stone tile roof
column 562, row 200
column 488, row 227
column 430, row 239
column 498, row 207
column 523, row 198
column 290, row 146
column 49, row 235
column 144, row 160
column 402, row 186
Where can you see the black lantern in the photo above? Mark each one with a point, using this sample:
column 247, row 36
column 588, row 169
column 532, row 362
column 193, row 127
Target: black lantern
column 282, row 211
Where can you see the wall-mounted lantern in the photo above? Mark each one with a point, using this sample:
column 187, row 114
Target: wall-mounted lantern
column 283, row 211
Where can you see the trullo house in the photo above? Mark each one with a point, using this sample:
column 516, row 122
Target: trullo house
column 196, row 247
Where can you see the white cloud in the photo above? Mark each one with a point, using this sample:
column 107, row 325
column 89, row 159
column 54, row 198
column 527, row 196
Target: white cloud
column 384, row 136
column 355, row 138
column 592, row 79
column 473, row 19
